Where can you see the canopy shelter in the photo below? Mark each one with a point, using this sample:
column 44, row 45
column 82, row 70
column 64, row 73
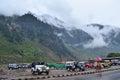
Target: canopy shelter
column 98, row 59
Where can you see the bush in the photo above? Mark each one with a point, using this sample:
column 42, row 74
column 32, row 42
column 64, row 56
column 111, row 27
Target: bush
column 113, row 55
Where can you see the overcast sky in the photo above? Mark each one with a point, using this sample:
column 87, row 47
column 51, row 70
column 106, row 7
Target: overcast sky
column 75, row 12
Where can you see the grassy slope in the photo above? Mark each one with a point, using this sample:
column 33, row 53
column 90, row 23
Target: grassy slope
column 26, row 39
column 27, row 51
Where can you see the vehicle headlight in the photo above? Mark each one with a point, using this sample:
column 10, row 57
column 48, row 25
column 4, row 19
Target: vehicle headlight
column 40, row 69
column 47, row 68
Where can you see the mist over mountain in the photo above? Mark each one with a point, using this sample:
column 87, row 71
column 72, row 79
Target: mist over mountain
column 30, row 37
column 75, row 12
column 93, row 38
column 25, row 38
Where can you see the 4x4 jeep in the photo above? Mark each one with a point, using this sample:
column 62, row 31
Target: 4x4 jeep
column 39, row 68
column 70, row 65
column 74, row 66
column 12, row 66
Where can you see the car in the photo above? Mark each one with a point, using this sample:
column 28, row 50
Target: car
column 81, row 66
column 88, row 65
column 70, row 65
column 113, row 63
column 25, row 65
column 105, row 64
column 75, row 66
column 19, row 66
column 12, row 66
column 39, row 68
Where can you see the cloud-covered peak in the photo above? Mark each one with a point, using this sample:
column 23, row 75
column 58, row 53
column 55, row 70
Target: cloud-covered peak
column 51, row 20
column 99, row 33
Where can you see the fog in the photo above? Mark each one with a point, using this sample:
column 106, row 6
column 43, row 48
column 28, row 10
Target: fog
column 74, row 12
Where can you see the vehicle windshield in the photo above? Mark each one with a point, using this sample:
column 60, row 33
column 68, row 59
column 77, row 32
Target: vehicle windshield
column 81, row 64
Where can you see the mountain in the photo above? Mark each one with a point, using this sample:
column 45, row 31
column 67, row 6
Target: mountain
column 51, row 20
column 105, row 39
column 109, row 34
column 95, row 40
column 31, row 37
column 25, row 38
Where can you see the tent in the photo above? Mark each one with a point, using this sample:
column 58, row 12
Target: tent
column 97, row 59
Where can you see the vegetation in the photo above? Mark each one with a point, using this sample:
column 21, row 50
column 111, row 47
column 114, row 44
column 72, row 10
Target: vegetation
column 113, row 55
column 26, row 39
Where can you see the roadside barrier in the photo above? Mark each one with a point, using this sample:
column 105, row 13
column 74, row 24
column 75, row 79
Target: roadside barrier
column 66, row 75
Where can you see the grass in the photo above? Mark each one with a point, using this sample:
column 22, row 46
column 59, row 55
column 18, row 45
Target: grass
column 27, row 51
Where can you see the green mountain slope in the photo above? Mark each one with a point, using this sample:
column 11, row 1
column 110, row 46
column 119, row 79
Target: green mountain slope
column 26, row 39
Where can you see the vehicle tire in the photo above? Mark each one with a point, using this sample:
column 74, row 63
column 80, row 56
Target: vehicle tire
column 77, row 69
column 73, row 69
column 47, row 72
column 33, row 72
column 83, row 69
column 68, row 69
column 39, row 73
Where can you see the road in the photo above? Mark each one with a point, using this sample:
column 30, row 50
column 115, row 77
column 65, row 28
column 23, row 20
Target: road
column 112, row 75
column 27, row 74
column 52, row 72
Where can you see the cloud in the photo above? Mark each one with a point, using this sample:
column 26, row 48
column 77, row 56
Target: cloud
column 99, row 35
column 96, row 43
column 75, row 12
column 52, row 7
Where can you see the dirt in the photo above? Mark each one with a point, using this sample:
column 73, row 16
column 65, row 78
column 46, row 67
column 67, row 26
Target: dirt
column 6, row 73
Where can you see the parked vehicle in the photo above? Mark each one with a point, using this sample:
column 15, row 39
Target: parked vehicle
column 118, row 62
column 89, row 65
column 81, row 66
column 19, row 66
column 70, row 65
column 39, row 68
column 105, row 64
column 25, row 65
column 75, row 66
column 113, row 63
column 12, row 66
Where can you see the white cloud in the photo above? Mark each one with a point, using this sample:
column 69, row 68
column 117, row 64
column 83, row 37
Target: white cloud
column 75, row 12
column 96, row 43
column 99, row 35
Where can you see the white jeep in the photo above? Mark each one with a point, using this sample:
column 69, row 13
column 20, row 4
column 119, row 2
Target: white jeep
column 39, row 68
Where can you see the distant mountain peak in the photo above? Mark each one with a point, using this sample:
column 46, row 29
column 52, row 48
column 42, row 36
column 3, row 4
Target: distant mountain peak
column 29, row 15
column 54, row 21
